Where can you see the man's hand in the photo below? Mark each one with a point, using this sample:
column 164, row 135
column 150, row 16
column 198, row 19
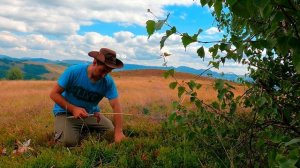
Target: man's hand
column 56, row 96
column 79, row 112
column 119, row 137
column 97, row 115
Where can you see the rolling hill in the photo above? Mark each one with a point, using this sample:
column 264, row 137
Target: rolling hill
column 44, row 69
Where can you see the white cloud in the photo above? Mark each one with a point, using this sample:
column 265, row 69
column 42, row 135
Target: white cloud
column 8, row 24
column 8, row 40
column 123, row 36
column 130, row 48
column 212, row 31
column 25, row 26
column 183, row 16
column 64, row 17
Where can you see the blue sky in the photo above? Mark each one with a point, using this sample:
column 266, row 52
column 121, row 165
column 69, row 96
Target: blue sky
column 185, row 18
column 63, row 29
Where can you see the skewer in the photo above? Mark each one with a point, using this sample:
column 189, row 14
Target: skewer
column 90, row 115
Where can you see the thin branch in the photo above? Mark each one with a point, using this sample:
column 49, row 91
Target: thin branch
column 291, row 20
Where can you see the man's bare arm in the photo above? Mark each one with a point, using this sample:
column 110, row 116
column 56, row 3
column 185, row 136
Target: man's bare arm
column 56, row 96
column 118, row 119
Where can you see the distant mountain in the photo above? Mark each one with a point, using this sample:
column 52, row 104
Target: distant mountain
column 31, row 71
column 41, row 60
column 128, row 67
column 208, row 73
column 7, row 57
column 40, row 68
column 184, row 69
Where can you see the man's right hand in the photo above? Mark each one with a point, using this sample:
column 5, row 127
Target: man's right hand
column 79, row 112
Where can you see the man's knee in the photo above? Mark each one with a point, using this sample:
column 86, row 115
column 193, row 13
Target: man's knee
column 66, row 139
column 70, row 141
column 110, row 126
column 106, row 123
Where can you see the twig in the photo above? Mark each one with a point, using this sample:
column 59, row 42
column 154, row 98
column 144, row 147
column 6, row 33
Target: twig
column 91, row 115
column 291, row 20
column 117, row 113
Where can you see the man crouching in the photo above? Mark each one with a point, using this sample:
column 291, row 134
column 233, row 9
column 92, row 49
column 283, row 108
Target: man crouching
column 77, row 94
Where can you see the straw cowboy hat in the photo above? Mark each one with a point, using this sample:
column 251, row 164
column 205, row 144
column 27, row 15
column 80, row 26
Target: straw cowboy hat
column 108, row 57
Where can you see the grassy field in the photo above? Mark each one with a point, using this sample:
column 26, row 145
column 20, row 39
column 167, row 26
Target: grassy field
column 26, row 113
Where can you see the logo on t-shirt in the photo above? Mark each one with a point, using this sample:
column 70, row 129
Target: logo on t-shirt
column 83, row 94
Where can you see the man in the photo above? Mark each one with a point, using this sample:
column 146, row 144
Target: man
column 77, row 94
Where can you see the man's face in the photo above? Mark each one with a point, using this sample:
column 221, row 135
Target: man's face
column 101, row 69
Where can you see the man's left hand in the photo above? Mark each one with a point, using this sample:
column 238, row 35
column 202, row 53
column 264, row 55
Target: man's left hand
column 119, row 137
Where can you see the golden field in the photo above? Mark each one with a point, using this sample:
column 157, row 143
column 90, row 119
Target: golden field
column 26, row 109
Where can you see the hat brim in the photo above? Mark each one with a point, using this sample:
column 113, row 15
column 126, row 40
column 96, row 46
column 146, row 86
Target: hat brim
column 100, row 57
column 97, row 55
column 119, row 64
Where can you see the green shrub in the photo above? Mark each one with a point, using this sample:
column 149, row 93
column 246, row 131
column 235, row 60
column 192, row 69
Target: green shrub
column 14, row 73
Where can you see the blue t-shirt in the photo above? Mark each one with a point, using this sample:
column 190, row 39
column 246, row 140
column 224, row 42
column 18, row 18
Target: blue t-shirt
column 82, row 92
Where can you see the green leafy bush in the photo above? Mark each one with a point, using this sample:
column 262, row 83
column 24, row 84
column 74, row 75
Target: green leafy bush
column 265, row 37
column 14, row 73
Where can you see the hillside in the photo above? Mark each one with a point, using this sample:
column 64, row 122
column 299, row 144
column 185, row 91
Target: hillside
column 43, row 69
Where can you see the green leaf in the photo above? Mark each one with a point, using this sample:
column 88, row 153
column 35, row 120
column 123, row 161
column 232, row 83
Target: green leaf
column 172, row 117
column 175, row 104
column 172, row 72
column 221, row 94
column 215, row 105
column 171, row 31
column 214, row 64
column 162, row 41
column 267, row 11
column 229, row 86
column 191, row 84
column 223, row 60
column 198, row 103
column 233, row 107
column 187, row 39
column 218, row 8
column 283, row 45
column 150, row 27
column 201, row 52
column 159, row 24
column 261, row 101
column 223, row 105
column 168, row 34
column 293, row 141
column 203, row 2
column 287, row 163
column 198, row 86
column 222, row 46
column 261, row 4
column 240, row 9
column 219, row 84
column 199, row 31
column 146, row 111
column 168, row 73
column 173, row 85
column 193, row 97
column 179, row 119
column 214, row 50
column 296, row 54
column 181, row 90
column 231, row 2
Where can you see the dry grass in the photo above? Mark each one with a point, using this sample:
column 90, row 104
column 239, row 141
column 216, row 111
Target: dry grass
column 26, row 109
